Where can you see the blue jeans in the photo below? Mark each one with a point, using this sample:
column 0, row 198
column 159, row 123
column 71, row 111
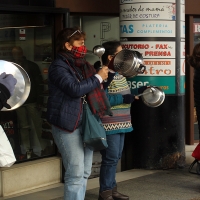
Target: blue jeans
column 77, row 162
column 110, row 158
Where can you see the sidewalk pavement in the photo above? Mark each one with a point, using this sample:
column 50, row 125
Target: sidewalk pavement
column 139, row 184
column 172, row 184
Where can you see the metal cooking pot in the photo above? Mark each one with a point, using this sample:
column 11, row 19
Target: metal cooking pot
column 128, row 63
column 22, row 87
column 153, row 96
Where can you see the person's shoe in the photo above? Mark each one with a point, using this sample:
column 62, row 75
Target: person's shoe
column 105, row 195
column 118, row 196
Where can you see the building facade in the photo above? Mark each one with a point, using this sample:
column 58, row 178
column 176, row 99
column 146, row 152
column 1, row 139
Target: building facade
column 28, row 29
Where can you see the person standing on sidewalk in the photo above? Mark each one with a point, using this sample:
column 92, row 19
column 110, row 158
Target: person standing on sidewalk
column 70, row 77
column 120, row 97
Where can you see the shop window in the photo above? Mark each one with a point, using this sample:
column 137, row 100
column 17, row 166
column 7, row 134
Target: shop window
column 29, row 44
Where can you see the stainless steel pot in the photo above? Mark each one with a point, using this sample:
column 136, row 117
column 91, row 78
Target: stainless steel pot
column 153, row 96
column 128, row 63
column 22, row 87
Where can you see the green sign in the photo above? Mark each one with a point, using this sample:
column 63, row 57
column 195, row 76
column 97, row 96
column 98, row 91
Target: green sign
column 167, row 84
column 182, row 84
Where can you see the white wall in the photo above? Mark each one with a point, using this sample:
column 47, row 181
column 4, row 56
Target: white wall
column 98, row 30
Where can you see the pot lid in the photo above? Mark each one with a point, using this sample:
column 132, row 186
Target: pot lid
column 22, row 87
column 153, row 96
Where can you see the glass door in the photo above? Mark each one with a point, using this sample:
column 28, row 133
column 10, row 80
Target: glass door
column 196, row 35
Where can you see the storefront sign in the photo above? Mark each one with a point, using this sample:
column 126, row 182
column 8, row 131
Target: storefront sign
column 167, row 84
column 159, row 67
column 147, row 29
column 155, row 19
column 196, row 27
column 144, row 11
column 155, row 49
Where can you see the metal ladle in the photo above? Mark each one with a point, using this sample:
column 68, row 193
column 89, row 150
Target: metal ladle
column 99, row 50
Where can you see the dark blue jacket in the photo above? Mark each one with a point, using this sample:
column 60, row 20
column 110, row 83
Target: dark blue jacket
column 64, row 105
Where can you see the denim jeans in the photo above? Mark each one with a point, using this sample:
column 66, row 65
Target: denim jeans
column 77, row 162
column 110, row 158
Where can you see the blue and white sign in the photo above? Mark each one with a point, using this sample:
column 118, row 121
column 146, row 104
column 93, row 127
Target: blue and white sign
column 147, row 29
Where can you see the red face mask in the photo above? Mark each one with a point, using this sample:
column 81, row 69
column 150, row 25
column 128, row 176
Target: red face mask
column 79, row 52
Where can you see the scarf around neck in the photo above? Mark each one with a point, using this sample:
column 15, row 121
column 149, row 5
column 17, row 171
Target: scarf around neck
column 96, row 99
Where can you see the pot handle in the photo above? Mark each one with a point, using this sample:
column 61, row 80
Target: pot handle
column 141, row 69
column 152, row 88
column 152, row 91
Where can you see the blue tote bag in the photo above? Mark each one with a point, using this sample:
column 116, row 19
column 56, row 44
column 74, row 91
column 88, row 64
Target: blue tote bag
column 94, row 135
